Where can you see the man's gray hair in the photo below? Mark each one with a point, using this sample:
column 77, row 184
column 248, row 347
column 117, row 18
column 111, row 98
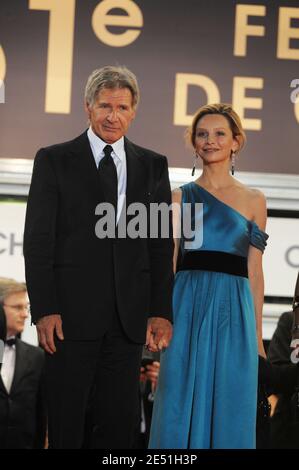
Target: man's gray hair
column 111, row 77
column 9, row 287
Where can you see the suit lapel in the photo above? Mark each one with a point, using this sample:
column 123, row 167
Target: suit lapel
column 21, row 364
column 136, row 174
column 2, row 387
column 83, row 161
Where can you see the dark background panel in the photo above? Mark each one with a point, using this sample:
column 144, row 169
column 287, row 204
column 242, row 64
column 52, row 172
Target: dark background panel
column 190, row 36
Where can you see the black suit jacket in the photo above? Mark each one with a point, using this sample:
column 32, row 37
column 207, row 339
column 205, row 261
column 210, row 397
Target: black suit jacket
column 23, row 410
column 283, row 372
column 284, row 429
column 72, row 272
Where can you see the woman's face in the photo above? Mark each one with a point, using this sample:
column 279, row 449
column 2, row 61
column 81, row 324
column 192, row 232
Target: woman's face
column 214, row 139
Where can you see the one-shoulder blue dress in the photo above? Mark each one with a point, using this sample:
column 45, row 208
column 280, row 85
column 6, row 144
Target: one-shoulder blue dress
column 207, row 389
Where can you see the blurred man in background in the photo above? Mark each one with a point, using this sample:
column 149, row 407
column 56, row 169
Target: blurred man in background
column 22, row 404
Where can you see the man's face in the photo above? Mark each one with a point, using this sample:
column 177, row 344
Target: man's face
column 16, row 308
column 111, row 114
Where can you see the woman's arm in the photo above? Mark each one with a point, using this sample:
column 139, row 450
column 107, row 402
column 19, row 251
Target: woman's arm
column 176, row 221
column 255, row 269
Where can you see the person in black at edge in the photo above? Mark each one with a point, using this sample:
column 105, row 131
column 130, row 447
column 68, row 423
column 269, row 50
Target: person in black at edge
column 280, row 375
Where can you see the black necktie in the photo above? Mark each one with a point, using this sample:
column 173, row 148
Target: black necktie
column 108, row 176
column 10, row 342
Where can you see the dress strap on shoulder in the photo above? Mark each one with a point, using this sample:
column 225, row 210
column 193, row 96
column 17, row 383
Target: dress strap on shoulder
column 258, row 238
column 188, row 193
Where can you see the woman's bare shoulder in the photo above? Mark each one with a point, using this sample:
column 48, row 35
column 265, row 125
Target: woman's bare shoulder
column 258, row 205
column 254, row 201
column 257, row 199
column 252, row 194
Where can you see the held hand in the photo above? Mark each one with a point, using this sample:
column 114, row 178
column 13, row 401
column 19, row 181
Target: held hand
column 45, row 329
column 152, row 373
column 159, row 333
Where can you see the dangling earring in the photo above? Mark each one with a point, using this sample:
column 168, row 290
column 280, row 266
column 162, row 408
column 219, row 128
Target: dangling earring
column 233, row 161
column 194, row 164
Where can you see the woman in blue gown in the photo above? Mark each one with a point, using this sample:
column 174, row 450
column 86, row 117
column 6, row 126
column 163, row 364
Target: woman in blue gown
column 207, row 389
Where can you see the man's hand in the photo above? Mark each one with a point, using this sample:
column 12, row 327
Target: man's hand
column 152, row 373
column 45, row 329
column 159, row 333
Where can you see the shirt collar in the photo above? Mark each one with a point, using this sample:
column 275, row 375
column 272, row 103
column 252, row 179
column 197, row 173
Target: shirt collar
column 98, row 145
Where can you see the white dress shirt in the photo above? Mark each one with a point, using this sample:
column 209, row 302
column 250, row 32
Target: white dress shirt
column 8, row 365
column 119, row 157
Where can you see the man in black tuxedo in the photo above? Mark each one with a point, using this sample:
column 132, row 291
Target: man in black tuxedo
column 96, row 300
column 22, row 397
